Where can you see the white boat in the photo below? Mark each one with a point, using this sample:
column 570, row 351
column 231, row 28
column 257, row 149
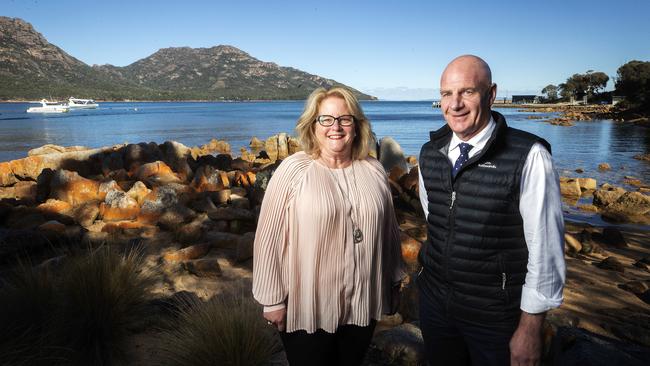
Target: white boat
column 49, row 107
column 76, row 103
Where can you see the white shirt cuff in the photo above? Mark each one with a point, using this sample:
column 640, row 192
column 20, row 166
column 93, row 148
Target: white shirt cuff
column 534, row 302
column 268, row 309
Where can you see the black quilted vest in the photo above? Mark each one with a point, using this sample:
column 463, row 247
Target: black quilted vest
column 474, row 260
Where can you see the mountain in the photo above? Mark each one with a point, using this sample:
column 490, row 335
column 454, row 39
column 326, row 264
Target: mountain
column 32, row 68
column 220, row 72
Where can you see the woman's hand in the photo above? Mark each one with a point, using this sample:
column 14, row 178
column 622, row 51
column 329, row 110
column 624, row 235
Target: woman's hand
column 277, row 318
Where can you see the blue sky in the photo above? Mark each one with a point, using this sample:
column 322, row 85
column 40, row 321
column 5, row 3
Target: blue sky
column 392, row 49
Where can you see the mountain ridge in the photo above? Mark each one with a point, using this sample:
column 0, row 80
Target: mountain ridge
column 31, row 68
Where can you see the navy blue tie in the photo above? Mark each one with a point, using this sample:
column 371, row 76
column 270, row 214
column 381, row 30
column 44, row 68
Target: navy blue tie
column 464, row 155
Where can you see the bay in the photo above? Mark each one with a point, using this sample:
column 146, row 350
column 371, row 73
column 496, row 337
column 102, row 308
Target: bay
column 584, row 145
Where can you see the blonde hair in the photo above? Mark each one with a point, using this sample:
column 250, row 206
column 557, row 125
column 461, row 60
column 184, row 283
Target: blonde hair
column 306, row 123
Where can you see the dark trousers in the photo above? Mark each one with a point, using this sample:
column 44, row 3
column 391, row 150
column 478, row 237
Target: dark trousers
column 347, row 346
column 450, row 341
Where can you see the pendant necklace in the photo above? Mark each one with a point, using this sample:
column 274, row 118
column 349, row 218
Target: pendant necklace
column 357, row 234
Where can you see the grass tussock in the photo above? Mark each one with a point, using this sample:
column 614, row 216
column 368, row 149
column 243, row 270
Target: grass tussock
column 80, row 314
column 228, row 330
column 27, row 297
column 105, row 298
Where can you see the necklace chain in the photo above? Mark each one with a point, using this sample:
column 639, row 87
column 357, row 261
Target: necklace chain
column 357, row 234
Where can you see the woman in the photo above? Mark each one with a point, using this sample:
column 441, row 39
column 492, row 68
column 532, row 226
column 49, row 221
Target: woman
column 327, row 253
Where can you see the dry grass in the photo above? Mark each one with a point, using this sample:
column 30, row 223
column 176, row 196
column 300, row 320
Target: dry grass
column 25, row 317
column 79, row 314
column 105, row 297
column 227, row 330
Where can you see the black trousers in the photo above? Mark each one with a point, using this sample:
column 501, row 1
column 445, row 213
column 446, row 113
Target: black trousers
column 448, row 340
column 347, row 346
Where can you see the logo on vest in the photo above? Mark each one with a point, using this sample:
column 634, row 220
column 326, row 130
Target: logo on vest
column 487, row 164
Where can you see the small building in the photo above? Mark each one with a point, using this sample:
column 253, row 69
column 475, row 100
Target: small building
column 524, row 99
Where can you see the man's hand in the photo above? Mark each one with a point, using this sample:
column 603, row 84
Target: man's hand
column 277, row 318
column 526, row 343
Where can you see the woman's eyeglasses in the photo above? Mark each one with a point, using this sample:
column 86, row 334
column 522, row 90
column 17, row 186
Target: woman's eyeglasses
column 327, row 120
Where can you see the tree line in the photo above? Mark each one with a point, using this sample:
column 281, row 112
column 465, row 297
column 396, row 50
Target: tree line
column 632, row 82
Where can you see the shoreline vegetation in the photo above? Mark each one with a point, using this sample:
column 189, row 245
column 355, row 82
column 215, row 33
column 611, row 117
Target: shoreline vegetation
column 191, row 213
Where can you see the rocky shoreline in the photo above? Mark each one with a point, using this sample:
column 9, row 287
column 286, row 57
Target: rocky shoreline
column 571, row 113
column 193, row 212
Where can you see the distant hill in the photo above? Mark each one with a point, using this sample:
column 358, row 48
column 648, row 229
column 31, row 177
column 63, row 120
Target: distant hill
column 32, row 68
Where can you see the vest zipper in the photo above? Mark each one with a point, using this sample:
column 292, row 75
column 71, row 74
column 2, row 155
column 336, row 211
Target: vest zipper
column 504, row 279
column 450, row 223
column 453, row 199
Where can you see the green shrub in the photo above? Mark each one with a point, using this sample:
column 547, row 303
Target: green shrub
column 633, row 81
column 227, row 330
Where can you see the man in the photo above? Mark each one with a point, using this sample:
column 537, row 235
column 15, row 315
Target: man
column 493, row 262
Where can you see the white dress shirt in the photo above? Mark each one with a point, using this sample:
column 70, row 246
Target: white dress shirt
column 541, row 210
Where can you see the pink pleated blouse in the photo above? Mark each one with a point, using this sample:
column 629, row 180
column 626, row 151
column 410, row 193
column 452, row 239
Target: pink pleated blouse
column 304, row 253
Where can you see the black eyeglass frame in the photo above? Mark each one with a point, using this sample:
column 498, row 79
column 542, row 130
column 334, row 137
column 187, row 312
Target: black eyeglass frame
column 334, row 119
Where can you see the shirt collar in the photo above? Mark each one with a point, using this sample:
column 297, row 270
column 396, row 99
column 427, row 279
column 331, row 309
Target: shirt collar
column 478, row 141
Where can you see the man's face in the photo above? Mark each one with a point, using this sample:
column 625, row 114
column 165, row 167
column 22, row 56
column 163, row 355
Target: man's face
column 465, row 98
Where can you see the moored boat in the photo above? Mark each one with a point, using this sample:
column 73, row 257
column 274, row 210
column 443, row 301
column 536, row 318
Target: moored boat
column 48, row 107
column 76, row 103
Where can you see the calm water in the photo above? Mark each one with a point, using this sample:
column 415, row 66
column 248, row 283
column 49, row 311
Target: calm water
column 584, row 145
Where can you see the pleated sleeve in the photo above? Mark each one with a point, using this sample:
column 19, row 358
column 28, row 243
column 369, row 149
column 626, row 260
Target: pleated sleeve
column 392, row 261
column 272, row 235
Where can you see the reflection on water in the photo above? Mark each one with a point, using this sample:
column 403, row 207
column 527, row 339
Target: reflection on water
column 584, row 145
